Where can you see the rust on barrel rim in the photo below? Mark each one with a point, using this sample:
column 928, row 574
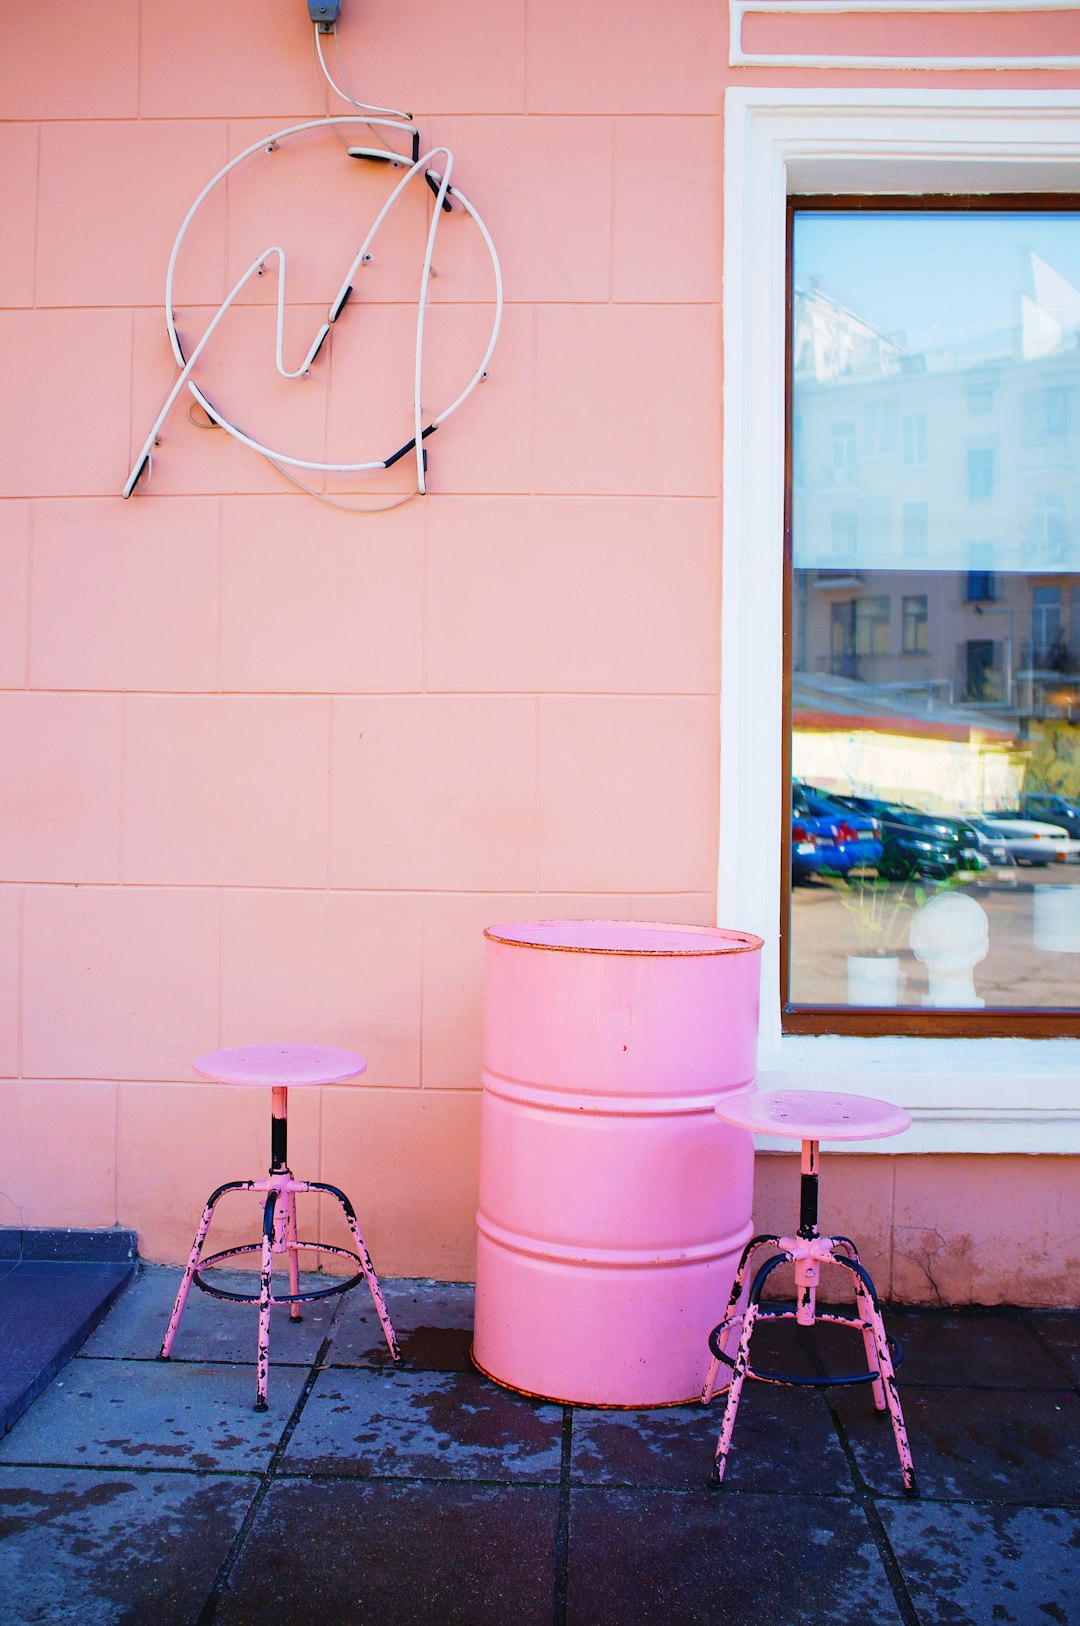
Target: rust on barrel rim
column 737, row 942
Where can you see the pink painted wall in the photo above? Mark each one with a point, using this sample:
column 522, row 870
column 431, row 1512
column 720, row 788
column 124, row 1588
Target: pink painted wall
column 270, row 767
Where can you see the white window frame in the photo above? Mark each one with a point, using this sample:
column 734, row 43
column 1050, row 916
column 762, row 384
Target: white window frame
column 966, row 1095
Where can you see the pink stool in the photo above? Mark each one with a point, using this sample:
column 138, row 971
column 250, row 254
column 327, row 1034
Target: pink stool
column 278, row 1066
column 810, row 1116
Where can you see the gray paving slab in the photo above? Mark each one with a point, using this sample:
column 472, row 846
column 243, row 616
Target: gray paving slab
column 1060, row 1329
column 210, row 1329
column 155, row 1414
column 784, row 1441
column 334, row 1553
column 975, row 1348
column 428, row 1425
column 113, row 1549
column 707, row 1558
column 1006, row 1445
column 433, row 1322
column 987, row 1566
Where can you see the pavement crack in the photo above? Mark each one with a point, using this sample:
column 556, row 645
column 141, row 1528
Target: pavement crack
column 222, row 1580
column 562, row 1530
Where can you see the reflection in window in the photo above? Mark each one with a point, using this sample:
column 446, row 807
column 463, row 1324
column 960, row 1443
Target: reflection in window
column 1050, row 527
column 915, row 621
column 981, row 586
column 1045, row 625
column 843, row 454
column 915, row 539
column 1045, row 415
column 915, row 438
column 872, row 625
column 980, row 473
column 920, row 747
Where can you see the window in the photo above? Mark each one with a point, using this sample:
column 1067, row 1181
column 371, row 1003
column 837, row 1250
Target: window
column 843, row 532
column 996, row 1091
column 843, row 450
column 981, row 587
column 915, row 439
column 1045, row 625
column 915, row 540
column 915, row 621
column 980, row 473
column 1045, row 414
column 981, row 666
column 910, row 767
column 872, row 625
column 1050, row 527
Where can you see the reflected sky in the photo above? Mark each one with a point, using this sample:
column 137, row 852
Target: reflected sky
column 932, row 277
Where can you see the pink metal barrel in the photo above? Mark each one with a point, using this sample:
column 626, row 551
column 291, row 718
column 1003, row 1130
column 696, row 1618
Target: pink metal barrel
column 613, row 1202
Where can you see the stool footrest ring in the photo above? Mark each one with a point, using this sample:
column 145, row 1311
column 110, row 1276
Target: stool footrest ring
column 798, row 1380
column 343, row 1286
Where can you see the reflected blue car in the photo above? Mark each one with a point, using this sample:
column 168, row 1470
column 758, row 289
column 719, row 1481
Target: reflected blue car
column 827, row 839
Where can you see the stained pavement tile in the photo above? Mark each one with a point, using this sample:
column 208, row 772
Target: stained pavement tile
column 210, row 1329
column 978, row 1347
column 975, row 1444
column 155, row 1414
column 1061, row 1330
column 784, row 1442
column 714, row 1557
column 111, row 1549
column 423, row 1555
column 427, row 1425
column 968, row 1564
column 433, row 1322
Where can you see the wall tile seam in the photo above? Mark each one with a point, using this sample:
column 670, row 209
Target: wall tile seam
column 276, row 889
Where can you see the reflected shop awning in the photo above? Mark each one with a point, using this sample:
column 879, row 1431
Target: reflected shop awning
column 824, row 703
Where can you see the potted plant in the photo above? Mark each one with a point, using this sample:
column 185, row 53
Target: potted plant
column 880, row 910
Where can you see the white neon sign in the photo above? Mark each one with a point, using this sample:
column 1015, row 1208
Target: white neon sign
column 432, row 169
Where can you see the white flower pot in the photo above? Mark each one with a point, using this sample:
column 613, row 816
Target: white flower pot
column 873, row 979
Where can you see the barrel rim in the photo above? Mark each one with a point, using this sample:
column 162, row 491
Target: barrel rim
column 737, row 942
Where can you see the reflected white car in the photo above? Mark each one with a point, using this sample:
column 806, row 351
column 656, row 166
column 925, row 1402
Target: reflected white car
column 1029, row 841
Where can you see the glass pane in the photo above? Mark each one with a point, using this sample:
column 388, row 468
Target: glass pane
column 935, row 644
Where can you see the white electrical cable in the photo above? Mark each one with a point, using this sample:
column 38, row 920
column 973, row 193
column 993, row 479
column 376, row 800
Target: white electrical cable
column 440, row 184
column 364, row 107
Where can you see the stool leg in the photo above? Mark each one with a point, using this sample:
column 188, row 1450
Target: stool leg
column 731, row 1405
column 193, row 1263
column 864, row 1304
column 295, row 1313
column 266, row 1279
column 888, row 1377
column 741, row 1367
column 709, row 1386
column 892, row 1399
column 365, row 1264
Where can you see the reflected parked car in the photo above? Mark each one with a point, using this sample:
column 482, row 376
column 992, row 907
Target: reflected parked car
column 1030, row 841
column 858, row 835
column 815, row 847
column 916, row 845
column 1047, row 808
column 991, row 847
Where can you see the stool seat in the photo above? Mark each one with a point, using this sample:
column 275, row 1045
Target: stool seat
column 813, row 1114
column 277, row 1065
